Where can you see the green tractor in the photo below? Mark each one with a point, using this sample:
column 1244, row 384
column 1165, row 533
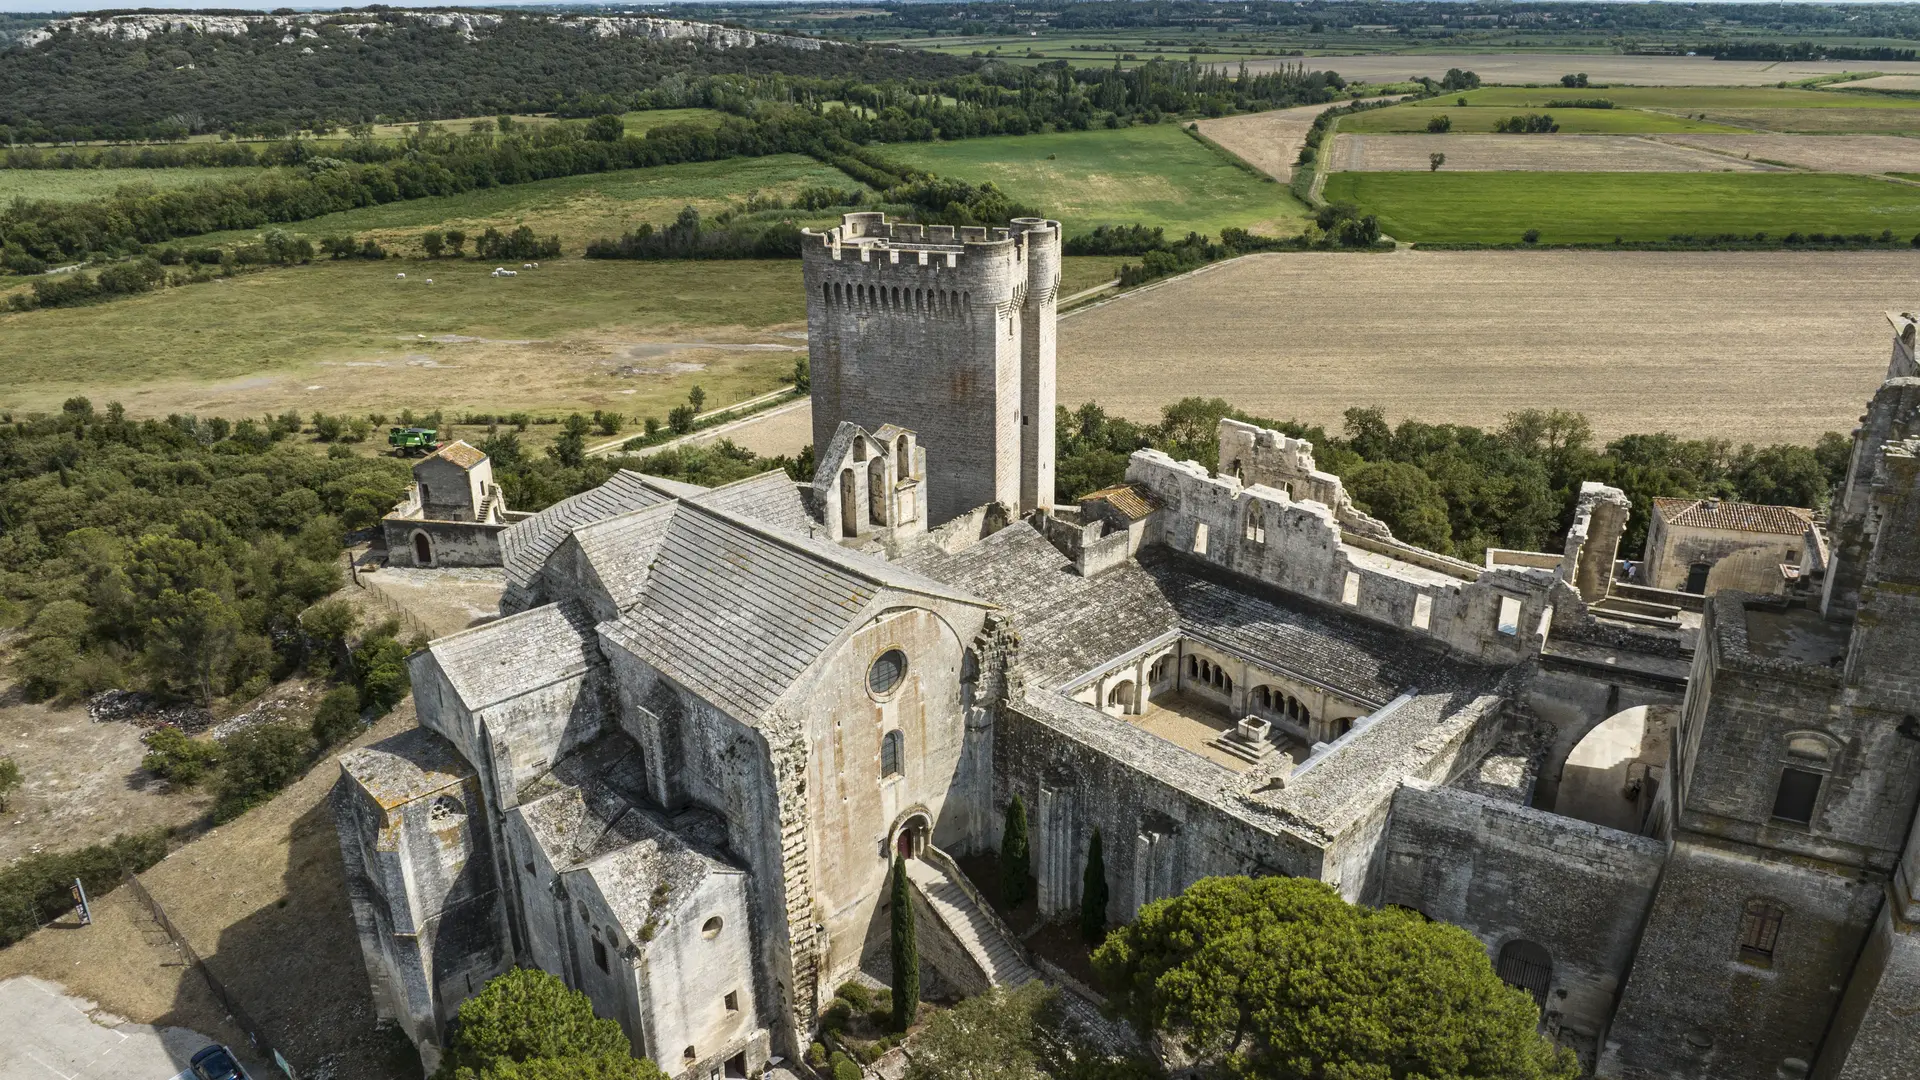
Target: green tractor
column 414, row 441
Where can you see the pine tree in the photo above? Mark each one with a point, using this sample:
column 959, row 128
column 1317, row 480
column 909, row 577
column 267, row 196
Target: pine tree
column 1093, row 893
column 1013, row 855
column 906, row 952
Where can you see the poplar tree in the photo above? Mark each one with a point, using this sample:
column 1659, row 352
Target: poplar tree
column 906, row 952
column 1013, row 855
column 1093, row 893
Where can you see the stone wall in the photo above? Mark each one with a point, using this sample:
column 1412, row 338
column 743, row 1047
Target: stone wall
column 1873, row 1034
column 1509, row 873
column 449, row 543
column 1491, row 616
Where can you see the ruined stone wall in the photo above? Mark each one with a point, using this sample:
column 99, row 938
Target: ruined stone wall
column 1297, row 547
column 1891, row 416
column 1574, row 701
column 1509, row 873
column 930, row 337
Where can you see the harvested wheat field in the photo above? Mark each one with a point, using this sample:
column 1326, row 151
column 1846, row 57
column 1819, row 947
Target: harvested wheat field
column 1527, row 153
column 1762, row 346
column 1269, row 141
column 1824, row 153
column 1886, row 82
column 1827, row 121
column 1546, row 68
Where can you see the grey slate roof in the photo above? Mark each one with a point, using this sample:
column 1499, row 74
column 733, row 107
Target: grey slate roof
column 1070, row 624
column 506, row 658
column 621, row 549
column 771, row 497
column 524, row 547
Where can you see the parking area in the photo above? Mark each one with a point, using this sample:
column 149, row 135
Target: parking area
column 52, row 1035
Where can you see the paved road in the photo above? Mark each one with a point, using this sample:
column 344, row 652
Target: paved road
column 51, row 1035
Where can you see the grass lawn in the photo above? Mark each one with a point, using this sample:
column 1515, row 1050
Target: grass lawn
column 1151, row 175
column 576, row 208
column 1409, row 118
column 1497, row 207
column 349, row 336
column 67, row 185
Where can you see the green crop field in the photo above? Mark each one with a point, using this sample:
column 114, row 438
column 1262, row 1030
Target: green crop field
column 1150, row 175
column 1413, row 118
column 1497, row 207
column 69, row 185
column 578, row 208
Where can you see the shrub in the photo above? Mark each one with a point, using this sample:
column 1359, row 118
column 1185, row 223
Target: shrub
column 1531, row 236
column 338, row 717
column 380, row 669
column 844, row 1068
column 178, row 759
column 856, row 995
column 9, row 780
column 257, row 763
column 1440, row 124
column 34, row 889
column 680, row 419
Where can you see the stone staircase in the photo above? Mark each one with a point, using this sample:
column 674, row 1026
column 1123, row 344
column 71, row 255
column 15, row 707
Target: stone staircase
column 967, row 918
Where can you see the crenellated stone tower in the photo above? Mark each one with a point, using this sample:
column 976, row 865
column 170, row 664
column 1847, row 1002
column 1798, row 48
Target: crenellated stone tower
column 950, row 333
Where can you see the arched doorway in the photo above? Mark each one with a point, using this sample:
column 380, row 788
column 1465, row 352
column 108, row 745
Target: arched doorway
column 911, row 837
column 1121, row 697
column 1528, row 966
column 422, row 550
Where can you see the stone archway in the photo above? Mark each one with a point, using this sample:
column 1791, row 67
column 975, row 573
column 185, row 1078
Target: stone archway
column 911, row 837
column 1612, row 774
column 422, row 549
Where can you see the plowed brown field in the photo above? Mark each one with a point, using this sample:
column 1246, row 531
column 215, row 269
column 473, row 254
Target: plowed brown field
column 1762, row 347
column 1826, row 153
column 1530, row 153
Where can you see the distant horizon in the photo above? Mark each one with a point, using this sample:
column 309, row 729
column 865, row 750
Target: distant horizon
column 31, row 7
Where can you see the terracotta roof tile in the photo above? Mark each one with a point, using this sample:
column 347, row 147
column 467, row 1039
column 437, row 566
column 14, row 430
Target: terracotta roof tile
column 1744, row 517
column 461, row 453
column 1132, row 500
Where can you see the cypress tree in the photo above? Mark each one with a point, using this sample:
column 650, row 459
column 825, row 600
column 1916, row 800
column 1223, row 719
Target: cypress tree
column 1093, row 893
column 906, row 952
column 1013, row 855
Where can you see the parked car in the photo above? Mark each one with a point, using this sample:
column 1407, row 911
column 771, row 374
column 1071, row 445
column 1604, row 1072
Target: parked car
column 217, row 1062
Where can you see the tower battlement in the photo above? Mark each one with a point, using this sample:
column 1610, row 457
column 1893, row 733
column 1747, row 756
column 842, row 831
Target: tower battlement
column 946, row 331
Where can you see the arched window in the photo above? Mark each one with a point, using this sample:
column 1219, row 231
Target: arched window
column 1262, row 697
column 1759, row 930
column 903, row 458
column 422, row 550
column 1527, row 966
column 1256, row 524
column 893, row 747
column 1121, row 696
column 877, row 489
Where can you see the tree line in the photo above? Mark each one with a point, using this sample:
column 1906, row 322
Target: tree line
column 1458, row 489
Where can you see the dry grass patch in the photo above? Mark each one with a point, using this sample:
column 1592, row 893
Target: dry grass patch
column 1546, row 68
column 1824, row 153
column 1269, row 141
column 1886, row 82
column 1881, row 121
column 1526, row 153
column 1759, row 347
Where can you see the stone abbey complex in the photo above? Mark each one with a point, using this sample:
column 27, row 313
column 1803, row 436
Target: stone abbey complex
column 677, row 768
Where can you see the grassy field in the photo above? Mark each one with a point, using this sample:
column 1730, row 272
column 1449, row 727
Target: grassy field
column 1684, row 99
column 1152, row 175
column 1497, row 207
column 349, row 336
column 578, row 208
column 1412, row 118
column 72, row 185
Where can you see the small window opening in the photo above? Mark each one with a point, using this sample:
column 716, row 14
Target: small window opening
column 1350, row 592
column 887, row 673
column 1509, row 623
column 1200, row 539
column 711, row 928
column 1795, row 798
column 892, row 747
column 1759, row 929
column 688, row 1055
column 733, row 1001
column 1422, row 611
column 600, row 956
